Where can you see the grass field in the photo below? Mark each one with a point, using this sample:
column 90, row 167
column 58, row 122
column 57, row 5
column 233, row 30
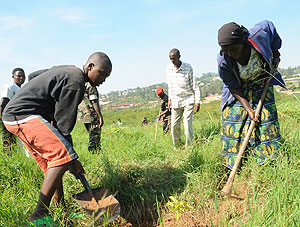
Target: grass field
column 144, row 173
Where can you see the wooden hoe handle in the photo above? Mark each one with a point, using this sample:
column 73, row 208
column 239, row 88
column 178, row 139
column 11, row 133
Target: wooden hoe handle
column 156, row 129
column 228, row 187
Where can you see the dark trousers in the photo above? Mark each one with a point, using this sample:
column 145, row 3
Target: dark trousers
column 94, row 136
column 167, row 124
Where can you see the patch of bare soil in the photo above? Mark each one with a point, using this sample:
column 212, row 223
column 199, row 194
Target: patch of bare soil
column 227, row 209
column 226, row 212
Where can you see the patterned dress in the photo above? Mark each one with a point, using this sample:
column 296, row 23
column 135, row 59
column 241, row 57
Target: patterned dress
column 265, row 139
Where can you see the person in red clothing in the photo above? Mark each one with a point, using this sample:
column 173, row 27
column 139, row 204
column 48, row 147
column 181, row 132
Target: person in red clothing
column 165, row 112
column 53, row 96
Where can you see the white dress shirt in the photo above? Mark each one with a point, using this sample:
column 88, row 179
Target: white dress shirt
column 182, row 88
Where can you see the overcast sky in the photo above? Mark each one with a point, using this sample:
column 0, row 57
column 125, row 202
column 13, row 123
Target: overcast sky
column 136, row 35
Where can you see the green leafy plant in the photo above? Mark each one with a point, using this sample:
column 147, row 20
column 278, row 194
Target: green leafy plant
column 178, row 206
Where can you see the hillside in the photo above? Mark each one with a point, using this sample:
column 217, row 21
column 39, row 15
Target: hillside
column 209, row 83
column 159, row 186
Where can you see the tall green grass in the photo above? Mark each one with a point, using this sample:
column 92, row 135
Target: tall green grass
column 143, row 173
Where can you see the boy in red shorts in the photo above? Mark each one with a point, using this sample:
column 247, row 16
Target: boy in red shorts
column 53, row 96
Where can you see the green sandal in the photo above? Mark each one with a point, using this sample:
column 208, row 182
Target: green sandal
column 43, row 222
column 76, row 215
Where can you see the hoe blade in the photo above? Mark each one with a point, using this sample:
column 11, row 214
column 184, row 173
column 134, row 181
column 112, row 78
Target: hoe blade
column 99, row 204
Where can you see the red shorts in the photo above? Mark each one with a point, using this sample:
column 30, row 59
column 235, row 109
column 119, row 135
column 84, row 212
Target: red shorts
column 45, row 143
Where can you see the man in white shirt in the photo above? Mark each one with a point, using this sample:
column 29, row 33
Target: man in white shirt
column 7, row 92
column 184, row 94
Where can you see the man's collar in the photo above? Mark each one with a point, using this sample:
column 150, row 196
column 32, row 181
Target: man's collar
column 177, row 69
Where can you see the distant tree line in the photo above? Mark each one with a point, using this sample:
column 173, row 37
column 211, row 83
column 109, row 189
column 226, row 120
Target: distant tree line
column 135, row 95
column 209, row 83
column 290, row 71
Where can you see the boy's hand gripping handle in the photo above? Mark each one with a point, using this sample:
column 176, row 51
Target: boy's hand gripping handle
column 84, row 182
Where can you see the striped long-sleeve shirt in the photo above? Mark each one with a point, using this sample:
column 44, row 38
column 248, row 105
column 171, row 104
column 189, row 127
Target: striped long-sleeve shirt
column 182, row 87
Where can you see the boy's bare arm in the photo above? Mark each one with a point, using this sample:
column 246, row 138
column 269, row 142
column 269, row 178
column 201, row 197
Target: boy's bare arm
column 98, row 111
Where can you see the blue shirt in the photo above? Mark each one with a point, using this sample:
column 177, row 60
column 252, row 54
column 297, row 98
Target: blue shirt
column 264, row 38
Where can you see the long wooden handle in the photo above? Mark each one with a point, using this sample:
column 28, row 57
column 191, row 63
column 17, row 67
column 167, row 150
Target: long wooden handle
column 156, row 129
column 228, row 187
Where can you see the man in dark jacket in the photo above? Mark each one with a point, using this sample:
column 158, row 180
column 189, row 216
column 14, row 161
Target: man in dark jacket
column 53, row 96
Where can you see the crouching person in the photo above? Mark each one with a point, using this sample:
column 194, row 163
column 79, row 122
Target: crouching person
column 53, row 96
